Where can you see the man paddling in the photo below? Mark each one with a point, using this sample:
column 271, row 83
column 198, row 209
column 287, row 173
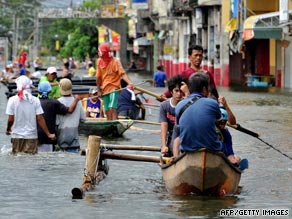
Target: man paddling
column 109, row 72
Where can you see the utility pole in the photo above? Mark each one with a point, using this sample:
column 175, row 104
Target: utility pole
column 36, row 36
column 13, row 37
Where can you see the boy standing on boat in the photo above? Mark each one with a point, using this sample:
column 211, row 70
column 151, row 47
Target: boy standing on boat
column 109, row 72
column 167, row 113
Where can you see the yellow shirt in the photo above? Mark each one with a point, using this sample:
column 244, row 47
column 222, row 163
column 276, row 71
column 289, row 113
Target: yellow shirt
column 91, row 71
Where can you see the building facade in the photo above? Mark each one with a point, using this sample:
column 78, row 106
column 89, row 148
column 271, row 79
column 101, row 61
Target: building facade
column 245, row 42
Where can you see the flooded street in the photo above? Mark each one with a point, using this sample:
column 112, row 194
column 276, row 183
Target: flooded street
column 39, row 186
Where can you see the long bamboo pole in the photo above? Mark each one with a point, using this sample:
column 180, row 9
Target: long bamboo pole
column 91, row 176
column 131, row 147
column 146, row 122
column 148, row 92
column 131, row 157
column 126, row 147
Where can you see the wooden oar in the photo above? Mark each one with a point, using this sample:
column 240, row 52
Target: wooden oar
column 256, row 135
column 246, row 131
column 149, row 92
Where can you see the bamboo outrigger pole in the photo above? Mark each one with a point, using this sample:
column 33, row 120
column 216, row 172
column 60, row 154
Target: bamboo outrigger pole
column 91, row 175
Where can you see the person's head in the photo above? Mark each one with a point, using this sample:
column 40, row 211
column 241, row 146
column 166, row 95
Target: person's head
column 159, row 68
column 221, row 123
column 65, row 87
column 66, row 64
column 19, row 65
column 44, row 89
column 195, row 55
column 51, row 73
column 93, row 93
column 23, row 83
column 22, row 71
column 199, row 83
column 174, row 84
column 104, row 50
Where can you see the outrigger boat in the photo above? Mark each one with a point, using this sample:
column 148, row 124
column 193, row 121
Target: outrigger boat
column 103, row 127
column 201, row 172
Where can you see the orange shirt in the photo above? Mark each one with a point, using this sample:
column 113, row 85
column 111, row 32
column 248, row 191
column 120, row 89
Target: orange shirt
column 110, row 76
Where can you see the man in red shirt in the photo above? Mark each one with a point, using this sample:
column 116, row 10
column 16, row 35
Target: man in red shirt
column 195, row 56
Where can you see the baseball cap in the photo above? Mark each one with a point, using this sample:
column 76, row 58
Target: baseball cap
column 51, row 70
column 93, row 90
column 65, row 87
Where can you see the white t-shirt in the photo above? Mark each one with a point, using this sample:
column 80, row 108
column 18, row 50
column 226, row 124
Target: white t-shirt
column 25, row 111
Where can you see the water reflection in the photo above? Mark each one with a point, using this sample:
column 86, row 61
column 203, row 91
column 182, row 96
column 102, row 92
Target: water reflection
column 193, row 206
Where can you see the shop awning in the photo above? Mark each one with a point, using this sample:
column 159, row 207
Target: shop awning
column 263, row 26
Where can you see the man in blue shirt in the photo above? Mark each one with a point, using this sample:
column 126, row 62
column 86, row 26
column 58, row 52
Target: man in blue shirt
column 197, row 121
column 159, row 77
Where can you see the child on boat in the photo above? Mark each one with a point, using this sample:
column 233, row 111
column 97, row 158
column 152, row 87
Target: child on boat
column 93, row 105
column 225, row 137
column 227, row 145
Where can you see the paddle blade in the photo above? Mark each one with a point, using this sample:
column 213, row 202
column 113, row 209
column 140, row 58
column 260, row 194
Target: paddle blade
column 246, row 131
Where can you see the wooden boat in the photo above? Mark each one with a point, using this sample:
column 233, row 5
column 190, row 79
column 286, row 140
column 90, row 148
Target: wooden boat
column 103, row 127
column 201, row 172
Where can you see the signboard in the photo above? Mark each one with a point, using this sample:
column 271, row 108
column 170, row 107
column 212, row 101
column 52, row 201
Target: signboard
column 110, row 11
column 140, row 4
column 167, row 49
column 67, row 13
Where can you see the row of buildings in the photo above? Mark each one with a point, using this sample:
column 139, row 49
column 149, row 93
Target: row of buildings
column 245, row 42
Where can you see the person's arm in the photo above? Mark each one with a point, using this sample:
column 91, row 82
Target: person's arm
column 126, row 78
column 10, row 122
column 143, row 111
column 231, row 118
column 98, row 82
column 43, row 125
column 163, row 135
column 73, row 104
column 101, row 114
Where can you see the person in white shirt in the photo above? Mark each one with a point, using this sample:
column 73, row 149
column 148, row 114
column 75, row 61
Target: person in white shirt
column 24, row 112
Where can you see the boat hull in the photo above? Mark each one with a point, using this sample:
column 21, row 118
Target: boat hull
column 201, row 172
column 102, row 127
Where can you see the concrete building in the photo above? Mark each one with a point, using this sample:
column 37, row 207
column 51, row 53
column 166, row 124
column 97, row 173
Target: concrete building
column 245, row 42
